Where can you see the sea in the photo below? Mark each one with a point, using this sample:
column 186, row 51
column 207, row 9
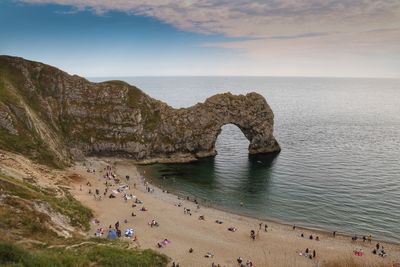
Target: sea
column 339, row 168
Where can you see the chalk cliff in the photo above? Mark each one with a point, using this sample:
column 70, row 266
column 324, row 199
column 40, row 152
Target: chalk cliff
column 55, row 118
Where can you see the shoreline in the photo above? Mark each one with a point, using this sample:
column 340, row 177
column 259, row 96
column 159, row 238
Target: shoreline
column 280, row 246
column 153, row 182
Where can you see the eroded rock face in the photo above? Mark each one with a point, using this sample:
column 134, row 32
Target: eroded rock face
column 116, row 119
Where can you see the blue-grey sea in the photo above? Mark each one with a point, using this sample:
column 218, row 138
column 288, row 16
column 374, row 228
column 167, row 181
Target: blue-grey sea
column 339, row 168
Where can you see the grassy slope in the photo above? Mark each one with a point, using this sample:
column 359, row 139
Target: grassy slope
column 18, row 220
column 17, row 217
column 91, row 255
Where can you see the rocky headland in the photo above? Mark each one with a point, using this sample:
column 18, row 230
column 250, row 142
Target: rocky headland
column 55, row 117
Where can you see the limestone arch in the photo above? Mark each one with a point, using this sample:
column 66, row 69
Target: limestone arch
column 250, row 113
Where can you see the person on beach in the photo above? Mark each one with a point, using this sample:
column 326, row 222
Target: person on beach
column 265, row 228
column 253, row 235
column 153, row 223
column 370, row 239
column 334, row 233
column 314, row 253
column 311, row 237
column 260, row 224
column 294, row 227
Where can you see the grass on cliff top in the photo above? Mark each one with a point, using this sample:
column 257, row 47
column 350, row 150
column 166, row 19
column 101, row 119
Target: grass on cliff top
column 134, row 97
column 16, row 214
column 94, row 255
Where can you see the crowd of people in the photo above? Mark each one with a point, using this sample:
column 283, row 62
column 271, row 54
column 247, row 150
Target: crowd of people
column 113, row 188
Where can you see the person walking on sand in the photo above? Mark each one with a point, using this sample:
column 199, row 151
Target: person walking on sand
column 253, row 234
column 265, row 228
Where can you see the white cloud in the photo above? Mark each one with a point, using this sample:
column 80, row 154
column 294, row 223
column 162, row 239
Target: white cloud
column 254, row 18
column 307, row 30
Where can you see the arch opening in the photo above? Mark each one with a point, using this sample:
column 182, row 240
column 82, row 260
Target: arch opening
column 231, row 142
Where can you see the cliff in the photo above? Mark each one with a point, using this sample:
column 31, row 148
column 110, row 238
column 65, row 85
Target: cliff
column 55, row 118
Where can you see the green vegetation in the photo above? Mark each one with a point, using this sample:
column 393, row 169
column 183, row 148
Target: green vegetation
column 20, row 220
column 29, row 145
column 27, row 142
column 152, row 118
column 88, row 255
column 5, row 95
column 16, row 215
column 79, row 215
column 134, row 97
column 116, row 83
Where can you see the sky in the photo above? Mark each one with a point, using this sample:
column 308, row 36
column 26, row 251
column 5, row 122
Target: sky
column 105, row 38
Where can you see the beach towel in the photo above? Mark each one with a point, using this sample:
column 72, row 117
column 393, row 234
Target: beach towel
column 164, row 243
column 129, row 232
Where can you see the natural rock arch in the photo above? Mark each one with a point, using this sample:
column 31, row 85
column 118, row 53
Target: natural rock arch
column 73, row 117
column 203, row 122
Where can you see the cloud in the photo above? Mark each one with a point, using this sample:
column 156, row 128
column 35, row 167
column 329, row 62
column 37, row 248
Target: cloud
column 314, row 32
column 253, row 18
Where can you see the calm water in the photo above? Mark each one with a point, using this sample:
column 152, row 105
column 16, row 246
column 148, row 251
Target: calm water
column 339, row 168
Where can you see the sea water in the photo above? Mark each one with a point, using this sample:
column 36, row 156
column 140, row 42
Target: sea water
column 339, row 168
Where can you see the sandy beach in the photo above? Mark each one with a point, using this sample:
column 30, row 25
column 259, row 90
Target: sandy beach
column 281, row 245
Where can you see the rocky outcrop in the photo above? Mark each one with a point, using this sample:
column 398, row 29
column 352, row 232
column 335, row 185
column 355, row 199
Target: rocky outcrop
column 70, row 117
